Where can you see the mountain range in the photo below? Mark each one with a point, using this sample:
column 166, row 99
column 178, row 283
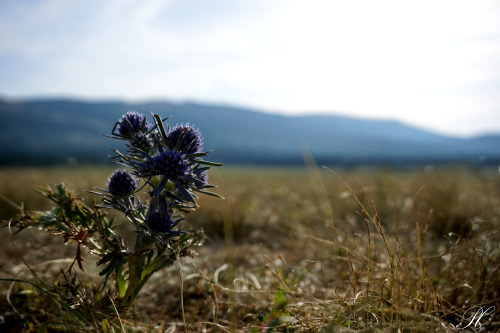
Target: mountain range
column 52, row 131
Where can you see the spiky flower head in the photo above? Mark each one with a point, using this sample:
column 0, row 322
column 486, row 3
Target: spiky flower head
column 187, row 138
column 172, row 165
column 122, row 183
column 131, row 123
column 158, row 222
column 143, row 141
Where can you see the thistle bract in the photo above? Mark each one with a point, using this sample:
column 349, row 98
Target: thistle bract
column 122, row 183
column 197, row 179
column 131, row 123
column 186, row 139
column 201, row 175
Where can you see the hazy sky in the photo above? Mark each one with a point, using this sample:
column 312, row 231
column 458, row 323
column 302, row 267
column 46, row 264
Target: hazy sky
column 434, row 64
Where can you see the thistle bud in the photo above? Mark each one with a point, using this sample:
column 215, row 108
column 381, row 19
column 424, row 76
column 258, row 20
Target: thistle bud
column 121, row 184
column 158, row 222
column 143, row 141
column 187, row 138
column 131, row 123
column 172, row 165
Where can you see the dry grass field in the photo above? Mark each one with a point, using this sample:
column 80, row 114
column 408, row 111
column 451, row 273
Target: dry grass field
column 287, row 250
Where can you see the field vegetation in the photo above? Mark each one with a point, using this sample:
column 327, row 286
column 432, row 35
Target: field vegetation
column 287, row 250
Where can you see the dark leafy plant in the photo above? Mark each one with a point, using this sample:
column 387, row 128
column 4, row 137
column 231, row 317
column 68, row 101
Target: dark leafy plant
column 165, row 167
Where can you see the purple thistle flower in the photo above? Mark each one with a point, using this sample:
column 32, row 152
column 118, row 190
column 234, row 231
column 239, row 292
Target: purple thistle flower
column 135, row 119
column 159, row 222
column 172, row 165
column 191, row 138
column 122, row 183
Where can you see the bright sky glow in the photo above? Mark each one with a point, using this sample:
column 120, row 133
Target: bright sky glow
column 434, row 64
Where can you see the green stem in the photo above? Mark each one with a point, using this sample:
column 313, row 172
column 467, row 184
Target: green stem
column 135, row 279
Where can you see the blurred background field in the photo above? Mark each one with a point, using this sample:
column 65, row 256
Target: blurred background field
column 292, row 249
column 261, row 195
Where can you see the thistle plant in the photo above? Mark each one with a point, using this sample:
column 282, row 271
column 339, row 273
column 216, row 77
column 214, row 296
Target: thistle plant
column 162, row 172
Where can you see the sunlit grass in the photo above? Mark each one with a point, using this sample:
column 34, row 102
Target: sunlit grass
column 295, row 250
column 18, row 184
